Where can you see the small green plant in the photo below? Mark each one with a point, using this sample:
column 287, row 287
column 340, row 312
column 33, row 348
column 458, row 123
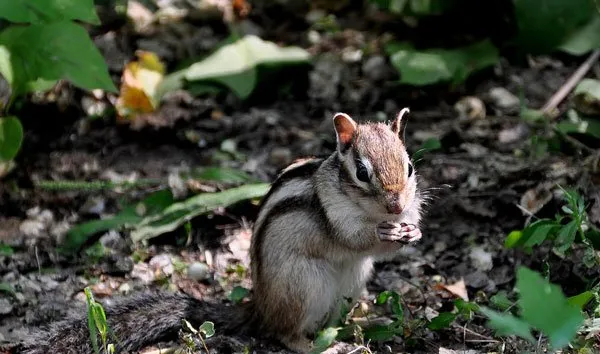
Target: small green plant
column 97, row 324
column 206, row 330
column 563, row 231
column 536, row 296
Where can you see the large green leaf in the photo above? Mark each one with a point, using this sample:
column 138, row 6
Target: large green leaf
column 11, row 137
column 50, row 52
column 130, row 215
column 506, row 324
column 439, row 65
column 544, row 25
column 584, row 39
column 46, row 11
column 537, row 296
column 235, row 65
column 179, row 213
column 534, row 234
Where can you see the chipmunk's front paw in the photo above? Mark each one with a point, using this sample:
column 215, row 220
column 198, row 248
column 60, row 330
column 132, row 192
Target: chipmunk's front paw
column 398, row 232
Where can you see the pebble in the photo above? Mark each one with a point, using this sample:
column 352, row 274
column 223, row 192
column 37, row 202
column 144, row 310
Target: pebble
column 48, row 284
column 504, row 99
column 125, row 288
column 142, row 272
column 112, row 239
column 481, row 259
column 477, row 279
column 513, row 134
column 30, row 287
column 5, row 306
column 375, row 68
column 325, row 78
column 162, row 262
column 198, row 271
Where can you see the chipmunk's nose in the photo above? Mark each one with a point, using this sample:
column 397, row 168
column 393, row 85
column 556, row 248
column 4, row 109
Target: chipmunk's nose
column 395, row 208
column 395, row 205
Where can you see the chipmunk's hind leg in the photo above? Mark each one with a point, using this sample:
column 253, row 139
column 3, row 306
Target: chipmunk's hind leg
column 298, row 344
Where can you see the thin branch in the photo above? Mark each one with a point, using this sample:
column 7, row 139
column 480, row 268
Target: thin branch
column 568, row 86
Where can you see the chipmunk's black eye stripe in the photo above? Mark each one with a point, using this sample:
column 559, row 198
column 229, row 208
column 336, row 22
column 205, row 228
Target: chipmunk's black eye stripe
column 410, row 169
column 361, row 172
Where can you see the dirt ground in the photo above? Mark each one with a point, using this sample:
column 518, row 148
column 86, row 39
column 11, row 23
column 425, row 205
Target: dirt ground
column 476, row 180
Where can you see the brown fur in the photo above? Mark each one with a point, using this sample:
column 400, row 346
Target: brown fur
column 379, row 145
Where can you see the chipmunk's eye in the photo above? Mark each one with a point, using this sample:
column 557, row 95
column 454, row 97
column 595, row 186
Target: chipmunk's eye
column 361, row 172
column 410, row 169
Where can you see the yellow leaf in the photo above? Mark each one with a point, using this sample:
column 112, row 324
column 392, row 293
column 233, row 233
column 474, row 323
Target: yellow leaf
column 138, row 86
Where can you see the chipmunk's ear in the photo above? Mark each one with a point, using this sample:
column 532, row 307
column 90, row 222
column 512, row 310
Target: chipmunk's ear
column 399, row 124
column 345, row 127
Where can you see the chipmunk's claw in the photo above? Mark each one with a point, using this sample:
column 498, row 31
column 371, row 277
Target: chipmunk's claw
column 398, row 232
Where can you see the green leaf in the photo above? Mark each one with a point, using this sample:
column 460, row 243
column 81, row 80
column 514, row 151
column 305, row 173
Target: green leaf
column 441, row 321
column 466, row 308
column 580, row 300
column 584, row 39
column 507, row 325
column 545, row 25
column 90, row 319
column 537, row 295
column 579, row 124
column 586, row 96
column 324, row 340
column 381, row 332
column 154, row 203
column 50, row 52
column 430, row 144
column 46, row 11
column 7, row 288
column 537, row 232
column 566, row 236
column 208, row 328
column 11, row 137
column 235, row 65
column 513, row 239
column 179, row 213
column 222, row 174
column 238, row 293
column 6, row 250
column 396, row 304
column 440, row 65
column 501, row 301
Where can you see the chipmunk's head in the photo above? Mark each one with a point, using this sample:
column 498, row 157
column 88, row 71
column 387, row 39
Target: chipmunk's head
column 376, row 171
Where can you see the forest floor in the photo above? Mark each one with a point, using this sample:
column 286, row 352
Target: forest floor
column 478, row 179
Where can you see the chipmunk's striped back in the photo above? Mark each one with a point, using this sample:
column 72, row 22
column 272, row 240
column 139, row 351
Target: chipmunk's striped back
column 292, row 190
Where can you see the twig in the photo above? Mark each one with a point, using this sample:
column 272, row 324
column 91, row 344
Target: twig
column 161, row 351
column 362, row 347
column 37, row 261
column 482, row 341
column 566, row 88
column 470, row 331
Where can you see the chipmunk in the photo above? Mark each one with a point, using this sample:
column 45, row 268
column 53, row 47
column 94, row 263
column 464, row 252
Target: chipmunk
column 320, row 228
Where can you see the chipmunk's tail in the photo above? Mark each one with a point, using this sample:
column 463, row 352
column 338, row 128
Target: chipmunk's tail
column 138, row 321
